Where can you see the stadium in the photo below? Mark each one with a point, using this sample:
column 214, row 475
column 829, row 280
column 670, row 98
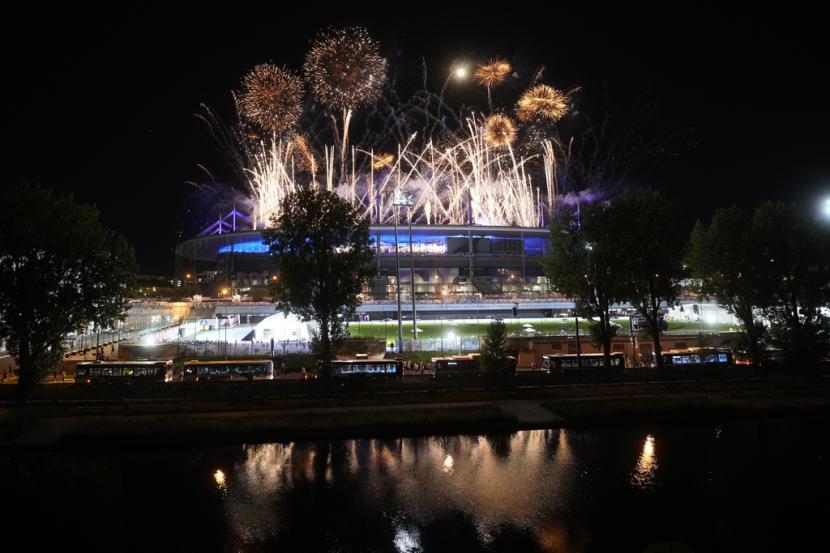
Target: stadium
column 452, row 270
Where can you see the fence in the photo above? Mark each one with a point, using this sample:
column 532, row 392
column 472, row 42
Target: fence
column 236, row 349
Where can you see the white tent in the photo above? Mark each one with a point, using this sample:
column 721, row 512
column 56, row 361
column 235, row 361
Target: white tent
column 281, row 327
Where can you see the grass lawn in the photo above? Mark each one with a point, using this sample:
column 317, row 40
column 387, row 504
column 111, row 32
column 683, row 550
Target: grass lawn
column 478, row 327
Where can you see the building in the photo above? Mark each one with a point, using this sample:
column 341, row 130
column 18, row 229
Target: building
column 459, row 268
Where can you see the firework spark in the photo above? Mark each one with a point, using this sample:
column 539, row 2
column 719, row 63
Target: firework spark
column 492, row 74
column 458, row 168
column 499, row 131
column 468, row 181
column 381, row 160
column 345, row 69
column 543, row 101
column 306, row 160
column 271, row 98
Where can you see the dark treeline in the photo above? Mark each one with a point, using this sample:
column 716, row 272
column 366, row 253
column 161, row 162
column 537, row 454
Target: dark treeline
column 769, row 267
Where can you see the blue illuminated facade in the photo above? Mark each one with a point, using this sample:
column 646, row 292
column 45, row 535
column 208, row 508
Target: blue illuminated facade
column 447, row 262
column 422, row 244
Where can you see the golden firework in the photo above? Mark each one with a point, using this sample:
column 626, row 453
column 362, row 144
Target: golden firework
column 381, row 160
column 499, row 131
column 344, row 68
column 543, row 101
column 271, row 98
column 493, row 73
column 305, row 160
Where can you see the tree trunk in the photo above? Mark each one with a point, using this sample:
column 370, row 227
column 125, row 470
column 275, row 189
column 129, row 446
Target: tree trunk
column 658, row 350
column 800, row 356
column 29, row 374
column 748, row 320
column 605, row 319
column 325, row 346
column 655, row 335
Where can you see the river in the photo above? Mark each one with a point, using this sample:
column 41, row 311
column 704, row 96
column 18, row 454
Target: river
column 745, row 485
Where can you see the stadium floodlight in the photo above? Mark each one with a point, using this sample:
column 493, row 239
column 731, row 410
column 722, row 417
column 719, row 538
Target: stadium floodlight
column 402, row 200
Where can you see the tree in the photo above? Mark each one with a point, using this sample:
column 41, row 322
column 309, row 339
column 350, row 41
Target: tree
column 652, row 247
column 494, row 358
column 60, row 270
column 585, row 264
column 727, row 260
column 798, row 253
column 321, row 248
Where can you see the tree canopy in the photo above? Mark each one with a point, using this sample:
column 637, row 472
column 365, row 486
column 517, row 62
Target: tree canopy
column 772, row 264
column 494, row 358
column 60, row 270
column 584, row 264
column 653, row 240
column 797, row 252
column 321, row 248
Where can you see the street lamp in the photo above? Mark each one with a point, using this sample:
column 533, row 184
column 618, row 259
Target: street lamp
column 578, row 352
column 442, row 334
column 402, row 200
column 385, row 336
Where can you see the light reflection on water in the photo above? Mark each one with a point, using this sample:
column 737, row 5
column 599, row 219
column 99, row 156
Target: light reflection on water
column 740, row 486
column 494, row 480
column 644, row 474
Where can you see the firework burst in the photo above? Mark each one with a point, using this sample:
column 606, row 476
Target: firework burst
column 381, row 160
column 499, row 131
column 271, row 98
column 305, row 160
column 543, row 102
column 344, row 68
column 470, row 181
column 492, row 74
column 458, row 167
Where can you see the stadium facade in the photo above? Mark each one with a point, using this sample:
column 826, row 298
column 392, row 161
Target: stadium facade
column 457, row 270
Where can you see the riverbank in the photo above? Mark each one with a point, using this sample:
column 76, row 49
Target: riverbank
column 142, row 423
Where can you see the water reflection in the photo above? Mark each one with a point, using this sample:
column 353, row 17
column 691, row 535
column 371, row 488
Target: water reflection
column 448, row 462
column 407, row 540
column 542, row 491
column 219, row 476
column 643, row 476
column 511, row 479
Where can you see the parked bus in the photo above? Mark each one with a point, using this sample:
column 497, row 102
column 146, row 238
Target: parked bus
column 94, row 372
column 456, row 365
column 246, row 369
column 560, row 362
column 368, row 367
column 464, row 365
column 768, row 357
column 692, row 357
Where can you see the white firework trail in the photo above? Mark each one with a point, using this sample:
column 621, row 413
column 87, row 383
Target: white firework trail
column 468, row 182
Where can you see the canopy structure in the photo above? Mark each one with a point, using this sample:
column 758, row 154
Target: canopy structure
column 281, row 327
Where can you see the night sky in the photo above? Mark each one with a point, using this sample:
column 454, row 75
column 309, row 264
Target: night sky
column 102, row 104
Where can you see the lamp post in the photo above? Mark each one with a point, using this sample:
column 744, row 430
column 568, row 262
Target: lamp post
column 398, row 274
column 700, row 341
column 442, row 334
column 402, row 200
column 412, row 272
column 578, row 353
